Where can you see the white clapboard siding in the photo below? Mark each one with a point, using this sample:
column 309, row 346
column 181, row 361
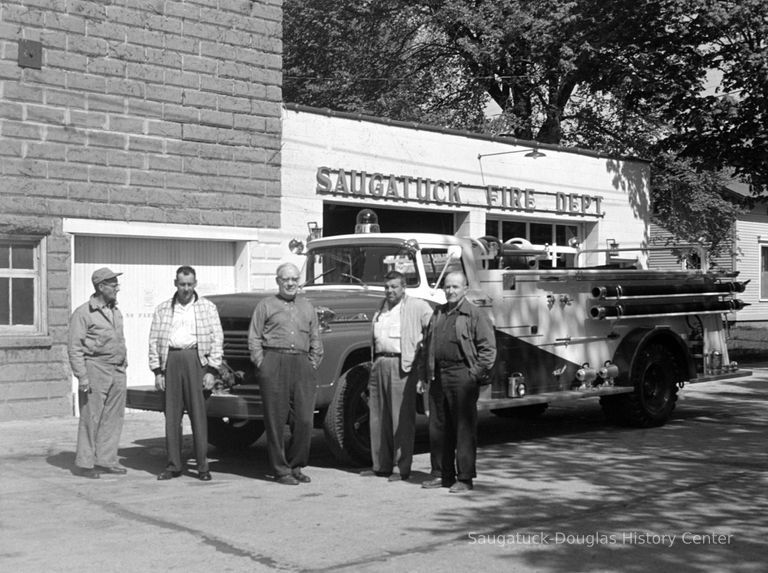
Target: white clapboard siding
column 752, row 233
column 665, row 259
column 148, row 267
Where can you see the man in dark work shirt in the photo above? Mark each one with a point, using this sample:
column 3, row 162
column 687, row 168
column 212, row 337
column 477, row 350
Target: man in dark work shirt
column 285, row 347
column 461, row 350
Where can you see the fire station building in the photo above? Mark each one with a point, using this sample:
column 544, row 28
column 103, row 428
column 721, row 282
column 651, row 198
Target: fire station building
column 170, row 148
column 423, row 179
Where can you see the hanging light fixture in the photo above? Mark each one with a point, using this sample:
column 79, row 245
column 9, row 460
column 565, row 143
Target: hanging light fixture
column 533, row 153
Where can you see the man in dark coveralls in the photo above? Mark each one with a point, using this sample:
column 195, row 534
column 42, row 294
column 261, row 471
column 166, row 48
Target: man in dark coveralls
column 461, row 350
column 97, row 355
column 285, row 346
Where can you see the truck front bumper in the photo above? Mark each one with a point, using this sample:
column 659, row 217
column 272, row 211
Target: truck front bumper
column 242, row 406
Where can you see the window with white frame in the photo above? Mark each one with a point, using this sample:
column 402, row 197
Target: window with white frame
column 763, row 272
column 21, row 289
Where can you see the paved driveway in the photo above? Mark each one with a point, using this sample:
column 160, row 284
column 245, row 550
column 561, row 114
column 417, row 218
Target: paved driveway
column 563, row 493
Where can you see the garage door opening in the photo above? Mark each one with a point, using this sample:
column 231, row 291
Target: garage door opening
column 340, row 220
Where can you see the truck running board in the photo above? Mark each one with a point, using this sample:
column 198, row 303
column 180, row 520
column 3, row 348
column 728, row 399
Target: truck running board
column 486, row 404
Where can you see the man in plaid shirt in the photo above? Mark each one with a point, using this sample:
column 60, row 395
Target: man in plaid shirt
column 185, row 348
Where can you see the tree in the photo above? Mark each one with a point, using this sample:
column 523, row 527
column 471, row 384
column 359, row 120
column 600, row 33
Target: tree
column 689, row 202
column 728, row 129
column 623, row 77
column 373, row 57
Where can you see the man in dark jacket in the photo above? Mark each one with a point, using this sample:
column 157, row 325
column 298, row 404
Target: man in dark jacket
column 461, row 350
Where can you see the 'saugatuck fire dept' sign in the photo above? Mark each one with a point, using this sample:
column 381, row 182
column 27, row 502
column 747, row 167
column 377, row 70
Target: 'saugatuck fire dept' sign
column 407, row 189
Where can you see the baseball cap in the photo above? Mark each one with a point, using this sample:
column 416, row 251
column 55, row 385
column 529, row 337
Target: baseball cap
column 103, row 274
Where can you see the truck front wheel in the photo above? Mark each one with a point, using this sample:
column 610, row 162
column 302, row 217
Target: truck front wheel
column 654, row 377
column 347, row 421
column 233, row 433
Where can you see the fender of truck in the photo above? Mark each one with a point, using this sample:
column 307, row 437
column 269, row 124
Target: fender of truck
column 633, row 343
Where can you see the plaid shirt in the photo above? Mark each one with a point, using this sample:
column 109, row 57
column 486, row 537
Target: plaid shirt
column 210, row 338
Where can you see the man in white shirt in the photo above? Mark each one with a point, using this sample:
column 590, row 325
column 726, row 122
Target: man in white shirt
column 398, row 331
column 185, row 352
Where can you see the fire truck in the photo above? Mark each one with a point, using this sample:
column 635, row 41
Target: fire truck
column 570, row 323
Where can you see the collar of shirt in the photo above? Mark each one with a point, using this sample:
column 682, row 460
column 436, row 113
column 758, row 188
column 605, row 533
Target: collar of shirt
column 98, row 303
column 457, row 308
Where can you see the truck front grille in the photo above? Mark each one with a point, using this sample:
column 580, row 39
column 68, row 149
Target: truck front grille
column 236, row 346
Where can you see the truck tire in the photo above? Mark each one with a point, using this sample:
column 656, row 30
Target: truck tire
column 347, row 421
column 521, row 412
column 654, row 376
column 233, row 433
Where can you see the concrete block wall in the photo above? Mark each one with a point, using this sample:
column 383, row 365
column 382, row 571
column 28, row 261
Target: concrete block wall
column 142, row 110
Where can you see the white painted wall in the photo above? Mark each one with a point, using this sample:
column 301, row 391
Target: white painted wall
column 312, row 140
column 751, row 233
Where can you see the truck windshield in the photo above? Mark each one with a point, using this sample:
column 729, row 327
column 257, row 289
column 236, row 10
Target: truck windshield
column 364, row 265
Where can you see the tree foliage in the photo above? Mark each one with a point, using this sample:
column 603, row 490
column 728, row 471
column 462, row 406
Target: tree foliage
column 621, row 77
column 690, row 204
column 374, row 57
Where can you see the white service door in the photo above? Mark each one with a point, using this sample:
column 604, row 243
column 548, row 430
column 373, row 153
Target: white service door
column 149, row 267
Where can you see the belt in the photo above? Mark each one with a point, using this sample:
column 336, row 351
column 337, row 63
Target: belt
column 172, row 348
column 286, row 350
column 451, row 363
column 386, row 355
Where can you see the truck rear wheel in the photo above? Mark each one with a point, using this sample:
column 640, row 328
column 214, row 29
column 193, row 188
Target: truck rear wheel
column 233, row 433
column 347, row 421
column 654, row 377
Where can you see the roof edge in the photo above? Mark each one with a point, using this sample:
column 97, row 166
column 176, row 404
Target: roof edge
column 447, row 131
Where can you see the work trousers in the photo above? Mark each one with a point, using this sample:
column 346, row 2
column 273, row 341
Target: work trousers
column 453, row 423
column 392, row 405
column 288, row 388
column 101, row 415
column 184, row 391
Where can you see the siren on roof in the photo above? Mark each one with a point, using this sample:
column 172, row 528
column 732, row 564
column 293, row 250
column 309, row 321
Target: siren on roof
column 367, row 222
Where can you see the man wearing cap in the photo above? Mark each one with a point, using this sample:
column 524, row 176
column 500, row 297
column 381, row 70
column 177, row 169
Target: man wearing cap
column 185, row 353
column 97, row 355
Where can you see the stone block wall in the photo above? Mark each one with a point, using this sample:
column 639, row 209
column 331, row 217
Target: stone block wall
column 142, row 110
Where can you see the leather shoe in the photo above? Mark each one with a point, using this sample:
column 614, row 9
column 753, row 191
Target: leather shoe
column 399, row 477
column 461, row 487
column 435, row 483
column 204, row 476
column 287, row 479
column 371, row 473
column 118, row 470
column 301, row 477
column 168, row 474
column 90, row 473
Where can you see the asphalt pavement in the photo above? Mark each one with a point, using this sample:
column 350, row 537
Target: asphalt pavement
column 562, row 493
